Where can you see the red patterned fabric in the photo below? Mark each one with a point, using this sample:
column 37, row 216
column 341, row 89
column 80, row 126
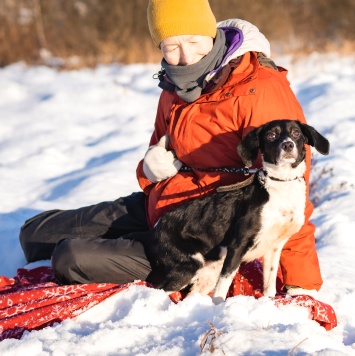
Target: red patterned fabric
column 34, row 299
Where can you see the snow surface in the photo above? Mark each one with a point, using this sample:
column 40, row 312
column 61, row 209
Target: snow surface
column 69, row 139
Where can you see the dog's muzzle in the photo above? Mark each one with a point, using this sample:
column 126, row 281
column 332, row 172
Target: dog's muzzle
column 288, row 151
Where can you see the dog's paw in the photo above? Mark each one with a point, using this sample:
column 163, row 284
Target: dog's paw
column 294, row 290
column 271, row 292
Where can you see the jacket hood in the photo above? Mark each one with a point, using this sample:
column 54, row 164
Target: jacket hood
column 252, row 41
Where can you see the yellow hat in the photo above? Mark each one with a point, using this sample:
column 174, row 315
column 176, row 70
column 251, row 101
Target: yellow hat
column 168, row 18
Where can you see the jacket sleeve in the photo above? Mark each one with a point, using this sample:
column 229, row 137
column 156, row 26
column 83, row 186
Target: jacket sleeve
column 160, row 129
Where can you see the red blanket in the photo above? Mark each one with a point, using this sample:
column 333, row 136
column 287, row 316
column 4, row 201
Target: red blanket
column 34, row 299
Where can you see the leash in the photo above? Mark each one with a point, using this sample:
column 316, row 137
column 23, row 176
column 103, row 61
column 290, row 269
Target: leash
column 245, row 170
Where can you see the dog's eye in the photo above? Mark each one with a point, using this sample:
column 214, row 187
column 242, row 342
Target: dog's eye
column 296, row 133
column 271, row 136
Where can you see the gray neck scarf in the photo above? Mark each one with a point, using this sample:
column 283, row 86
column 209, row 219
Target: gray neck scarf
column 189, row 80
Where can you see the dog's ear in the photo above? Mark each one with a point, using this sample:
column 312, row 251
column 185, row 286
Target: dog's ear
column 248, row 148
column 315, row 139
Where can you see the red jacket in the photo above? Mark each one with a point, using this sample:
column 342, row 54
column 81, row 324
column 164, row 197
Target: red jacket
column 205, row 134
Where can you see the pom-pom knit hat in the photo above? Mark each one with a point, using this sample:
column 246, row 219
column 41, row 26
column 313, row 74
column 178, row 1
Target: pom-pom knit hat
column 167, row 18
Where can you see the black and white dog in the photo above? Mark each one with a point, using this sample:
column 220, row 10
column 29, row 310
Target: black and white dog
column 201, row 244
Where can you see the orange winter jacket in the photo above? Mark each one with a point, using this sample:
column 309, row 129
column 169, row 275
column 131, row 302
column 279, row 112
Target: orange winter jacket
column 205, row 134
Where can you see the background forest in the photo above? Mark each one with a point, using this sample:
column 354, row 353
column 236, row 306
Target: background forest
column 77, row 33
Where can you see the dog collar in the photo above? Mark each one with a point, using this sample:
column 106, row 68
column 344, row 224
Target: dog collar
column 263, row 175
column 283, row 180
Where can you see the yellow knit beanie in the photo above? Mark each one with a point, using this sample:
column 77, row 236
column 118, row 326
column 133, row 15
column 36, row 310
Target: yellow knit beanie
column 168, row 18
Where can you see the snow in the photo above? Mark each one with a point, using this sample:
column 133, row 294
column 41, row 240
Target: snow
column 69, row 139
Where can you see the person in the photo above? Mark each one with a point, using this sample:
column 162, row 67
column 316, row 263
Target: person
column 218, row 83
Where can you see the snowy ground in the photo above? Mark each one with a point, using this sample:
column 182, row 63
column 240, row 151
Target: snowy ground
column 69, row 139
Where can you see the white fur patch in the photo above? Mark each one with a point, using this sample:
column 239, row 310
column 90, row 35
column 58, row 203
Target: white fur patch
column 206, row 277
column 198, row 257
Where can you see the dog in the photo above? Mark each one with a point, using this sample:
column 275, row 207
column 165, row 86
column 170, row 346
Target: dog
column 200, row 245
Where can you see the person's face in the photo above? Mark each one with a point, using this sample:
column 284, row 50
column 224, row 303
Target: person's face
column 185, row 49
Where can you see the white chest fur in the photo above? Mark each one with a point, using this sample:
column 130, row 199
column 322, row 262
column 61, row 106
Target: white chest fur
column 281, row 216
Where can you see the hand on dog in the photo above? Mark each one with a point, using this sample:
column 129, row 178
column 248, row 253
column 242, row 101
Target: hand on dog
column 159, row 163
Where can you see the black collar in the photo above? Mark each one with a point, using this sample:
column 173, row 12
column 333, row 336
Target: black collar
column 283, row 180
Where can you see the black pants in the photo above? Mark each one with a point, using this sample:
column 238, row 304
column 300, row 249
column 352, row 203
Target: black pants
column 92, row 244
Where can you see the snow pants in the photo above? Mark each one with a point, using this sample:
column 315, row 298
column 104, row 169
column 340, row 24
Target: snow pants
column 90, row 244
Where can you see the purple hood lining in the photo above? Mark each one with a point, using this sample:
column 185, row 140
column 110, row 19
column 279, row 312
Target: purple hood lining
column 234, row 39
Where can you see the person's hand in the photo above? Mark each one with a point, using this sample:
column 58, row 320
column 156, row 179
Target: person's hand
column 159, row 163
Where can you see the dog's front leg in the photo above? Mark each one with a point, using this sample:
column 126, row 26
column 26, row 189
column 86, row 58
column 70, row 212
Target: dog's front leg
column 229, row 269
column 270, row 266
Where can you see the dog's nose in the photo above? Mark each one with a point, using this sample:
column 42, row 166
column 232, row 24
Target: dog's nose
column 287, row 146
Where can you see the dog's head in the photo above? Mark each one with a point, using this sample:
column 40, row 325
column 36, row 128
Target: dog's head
column 281, row 142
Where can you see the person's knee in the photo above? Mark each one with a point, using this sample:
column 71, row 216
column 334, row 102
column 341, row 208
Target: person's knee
column 27, row 231
column 34, row 250
column 24, row 236
column 35, row 238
